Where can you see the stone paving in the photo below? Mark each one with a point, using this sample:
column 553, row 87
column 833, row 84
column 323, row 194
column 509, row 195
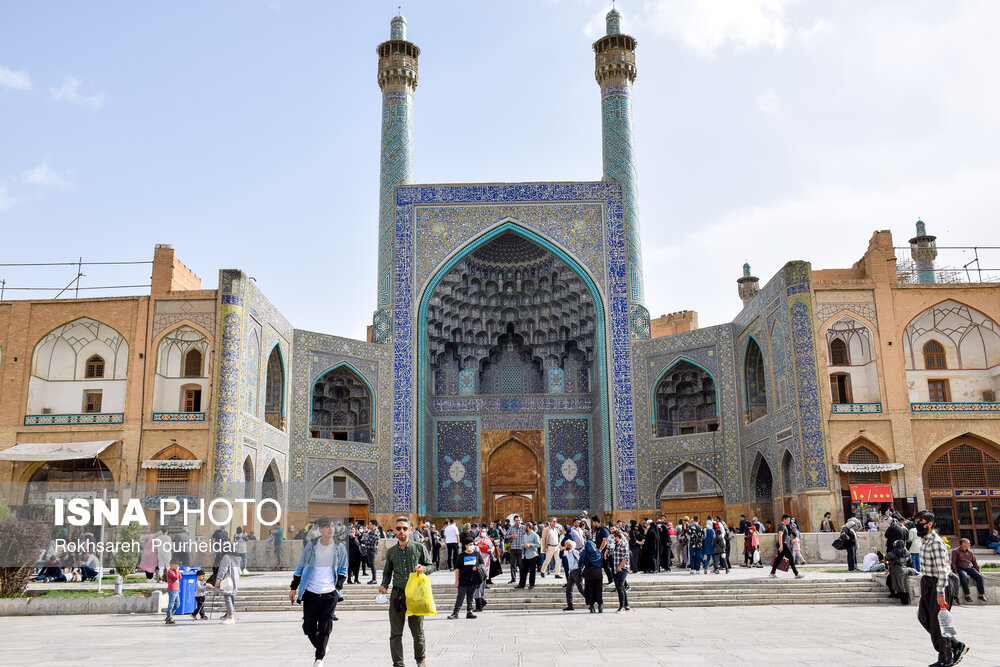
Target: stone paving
column 790, row 636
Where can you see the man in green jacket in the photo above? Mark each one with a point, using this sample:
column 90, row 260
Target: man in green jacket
column 402, row 558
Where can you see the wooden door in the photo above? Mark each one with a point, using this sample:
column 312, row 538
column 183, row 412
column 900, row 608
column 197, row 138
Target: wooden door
column 676, row 509
column 504, row 506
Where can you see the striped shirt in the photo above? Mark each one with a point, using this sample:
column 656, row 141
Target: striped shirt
column 934, row 560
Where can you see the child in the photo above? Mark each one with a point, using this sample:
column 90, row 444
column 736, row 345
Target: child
column 173, row 590
column 199, row 596
column 797, row 551
column 466, row 577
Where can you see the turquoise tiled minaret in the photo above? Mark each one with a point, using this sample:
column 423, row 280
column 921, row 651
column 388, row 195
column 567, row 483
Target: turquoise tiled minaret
column 397, row 77
column 615, row 72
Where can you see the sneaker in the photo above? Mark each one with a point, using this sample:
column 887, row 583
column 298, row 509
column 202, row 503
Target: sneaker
column 773, row 575
column 246, row 571
column 800, row 576
column 169, row 621
column 453, row 616
column 318, row 663
column 469, row 614
column 229, row 621
column 370, row 582
column 958, row 652
column 628, row 608
column 567, row 608
column 203, row 617
column 620, row 610
column 558, row 576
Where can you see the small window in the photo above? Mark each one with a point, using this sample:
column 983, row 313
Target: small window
column 172, row 481
column 339, row 487
column 192, row 400
column 95, row 367
column 838, row 353
column 690, row 480
column 192, row 363
column 840, row 388
column 934, row 355
column 92, row 402
column 687, row 430
column 937, row 391
column 340, row 435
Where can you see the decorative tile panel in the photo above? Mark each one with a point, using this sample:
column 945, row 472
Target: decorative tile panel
column 567, row 445
column 457, row 466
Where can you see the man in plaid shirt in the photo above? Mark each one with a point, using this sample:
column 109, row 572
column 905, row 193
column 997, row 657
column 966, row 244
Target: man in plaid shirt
column 516, row 535
column 935, row 594
column 620, row 556
column 370, row 542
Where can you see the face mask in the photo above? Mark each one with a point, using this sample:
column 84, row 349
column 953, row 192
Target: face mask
column 922, row 529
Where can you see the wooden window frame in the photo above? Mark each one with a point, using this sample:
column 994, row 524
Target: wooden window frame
column 188, row 399
column 835, row 392
column 847, row 353
column 88, row 403
column 95, row 368
column 937, row 357
column 945, row 391
column 201, row 363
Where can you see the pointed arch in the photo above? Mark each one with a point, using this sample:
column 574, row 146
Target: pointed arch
column 345, row 472
column 788, row 476
column 342, row 389
column 598, row 303
column 950, row 322
column 274, row 389
column 706, row 409
column 61, row 354
column 701, row 490
column 754, row 380
column 249, row 480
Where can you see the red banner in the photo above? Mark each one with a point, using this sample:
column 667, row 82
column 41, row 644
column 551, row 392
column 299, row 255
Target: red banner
column 871, row 493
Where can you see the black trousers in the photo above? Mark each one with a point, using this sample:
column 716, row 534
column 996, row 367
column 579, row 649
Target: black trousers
column 786, row 552
column 436, row 555
column 573, row 578
column 593, row 591
column 927, row 614
column 452, row 554
column 620, row 578
column 516, row 562
column 199, row 600
column 317, row 619
column 528, row 568
column 370, row 557
column 635, row 553
column 466, row 593
column 607, row 569
column 852, row 558
column 353, row 568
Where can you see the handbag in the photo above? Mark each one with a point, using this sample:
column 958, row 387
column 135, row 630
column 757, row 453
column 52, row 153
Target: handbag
column 783, row 565
column 840, row 543
column 481, row 574
column 495, row 568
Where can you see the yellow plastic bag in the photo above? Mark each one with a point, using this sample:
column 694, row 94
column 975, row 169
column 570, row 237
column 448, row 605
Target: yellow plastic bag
column 419, row 596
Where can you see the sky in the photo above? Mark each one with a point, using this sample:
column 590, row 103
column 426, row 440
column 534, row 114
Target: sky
column 246, row 134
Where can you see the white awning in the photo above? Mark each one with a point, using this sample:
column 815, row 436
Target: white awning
column 867, row 467
column 55, row 451
column 174, row 464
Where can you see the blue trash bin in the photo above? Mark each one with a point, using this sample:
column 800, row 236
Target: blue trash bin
column 189, row 581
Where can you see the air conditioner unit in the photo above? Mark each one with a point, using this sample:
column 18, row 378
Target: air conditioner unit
column 48, row 411
column 989, row 396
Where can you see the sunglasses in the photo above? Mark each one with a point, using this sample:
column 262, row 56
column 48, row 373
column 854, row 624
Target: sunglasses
column 404, row 528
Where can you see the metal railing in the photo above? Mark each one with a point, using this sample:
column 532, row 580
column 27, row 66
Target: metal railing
column 952, row 265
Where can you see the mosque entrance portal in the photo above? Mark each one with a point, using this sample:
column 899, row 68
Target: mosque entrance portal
column 513, row 481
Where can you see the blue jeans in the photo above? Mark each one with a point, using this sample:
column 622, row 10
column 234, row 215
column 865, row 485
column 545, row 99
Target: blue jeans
column 695, row 559
column 173, row 602
column 995, row 546
column 916, row 561
column 243, row 557
column 712, row 558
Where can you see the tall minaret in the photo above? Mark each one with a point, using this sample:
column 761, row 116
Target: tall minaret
column 748, row 285
column 923, row 250
column 397, row 77
column 615, row 72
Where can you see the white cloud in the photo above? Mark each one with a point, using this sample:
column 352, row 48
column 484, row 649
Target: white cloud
column 767, row 102
column 811, row 37
column 827, row 224
column 45, row 176
column 705, row 26
column 16, row 80
column 69, row 91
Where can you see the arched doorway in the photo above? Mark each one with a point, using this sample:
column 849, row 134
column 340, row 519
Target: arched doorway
column 962, row 486
column 80, row 475
column 762, row 490
column 340, row 495
column 270, row 487
column 513, row 481
column 690, row 491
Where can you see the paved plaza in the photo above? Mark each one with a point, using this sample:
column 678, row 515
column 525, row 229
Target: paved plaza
column 784, row 635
